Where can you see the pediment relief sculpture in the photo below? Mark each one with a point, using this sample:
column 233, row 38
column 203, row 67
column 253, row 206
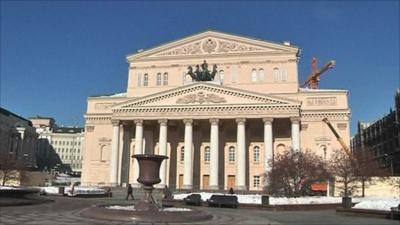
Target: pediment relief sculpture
column 201, row 98
column 211, row 46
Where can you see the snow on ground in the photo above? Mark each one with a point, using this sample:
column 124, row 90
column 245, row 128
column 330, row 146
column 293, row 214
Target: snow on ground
column 9, row 188
column 378, row 203
column 77, row 190
column 132, row 208
column 173, row 209
column 121, row 207
column 256, row 199
column 371, row 202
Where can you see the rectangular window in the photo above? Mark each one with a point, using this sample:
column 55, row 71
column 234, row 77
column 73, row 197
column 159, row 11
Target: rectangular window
column 256, row 181
column 256, row 154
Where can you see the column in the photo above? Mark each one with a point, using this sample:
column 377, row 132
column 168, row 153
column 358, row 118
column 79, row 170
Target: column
column 162, row 144
column 295, row 133
column 268, row 143
column 214, row 137
column 241, row 155
column 188, row 159
column 114, row 153
column 138, row 150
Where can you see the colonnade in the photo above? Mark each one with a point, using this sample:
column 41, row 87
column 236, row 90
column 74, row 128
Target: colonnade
column 214, row 150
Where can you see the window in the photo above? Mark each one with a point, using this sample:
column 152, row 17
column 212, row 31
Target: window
column 139, row 80
column 254, row 75
column 256, row 181
column 261, row 74
column 207, row 154
column 323, row 148
column 145, row 80
column 231, row 154
column 165, row 79
column 182, row 158
column 280, row 74
column 256, row 154
column 158, row 79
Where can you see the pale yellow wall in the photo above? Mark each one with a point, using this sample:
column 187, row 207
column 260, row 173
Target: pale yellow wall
column 378, row 187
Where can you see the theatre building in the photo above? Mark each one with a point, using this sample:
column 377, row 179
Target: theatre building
column 220, row 106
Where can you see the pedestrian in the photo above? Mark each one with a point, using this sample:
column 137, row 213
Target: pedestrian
column 167, row 193
column 129, row 192
column 231, row 191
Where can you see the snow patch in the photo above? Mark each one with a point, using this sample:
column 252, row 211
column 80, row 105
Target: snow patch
column 173, row 209
column 378, row 203
column 122, row 207
column 9, row 188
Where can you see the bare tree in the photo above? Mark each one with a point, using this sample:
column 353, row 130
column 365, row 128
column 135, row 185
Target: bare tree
column 368, row 167
column 343, row 167
column 351, row 170
column 10, row 168
column 293, row 172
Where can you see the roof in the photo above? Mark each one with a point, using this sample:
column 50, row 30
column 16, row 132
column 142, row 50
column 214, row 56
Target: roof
column 71, row 130
column 112, row 95
column 9, row 113
column 41, row 117
column 141, row 51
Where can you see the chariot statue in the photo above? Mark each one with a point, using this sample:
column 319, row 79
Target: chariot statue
column 202, row 73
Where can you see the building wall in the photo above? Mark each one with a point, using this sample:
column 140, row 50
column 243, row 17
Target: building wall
column 18, row 139
column 381, row 139
column 275, row 76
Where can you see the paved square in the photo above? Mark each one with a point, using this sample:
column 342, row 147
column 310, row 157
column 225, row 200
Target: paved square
column 66, row 210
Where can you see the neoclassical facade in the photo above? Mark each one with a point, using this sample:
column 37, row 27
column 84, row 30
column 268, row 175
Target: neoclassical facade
column 217, row 134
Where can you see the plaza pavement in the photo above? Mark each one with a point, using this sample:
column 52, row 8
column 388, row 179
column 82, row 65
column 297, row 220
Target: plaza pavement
column 66, row 210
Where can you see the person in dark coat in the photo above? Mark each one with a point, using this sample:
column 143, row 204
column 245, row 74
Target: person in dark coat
column 231, row 191
column 129, row 192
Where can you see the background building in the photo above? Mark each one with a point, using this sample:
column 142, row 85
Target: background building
column 382, row 138
column 218, row 132
column 61, row 147
column 18, row 139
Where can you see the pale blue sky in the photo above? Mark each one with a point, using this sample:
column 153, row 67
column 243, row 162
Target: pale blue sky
column 54, row 54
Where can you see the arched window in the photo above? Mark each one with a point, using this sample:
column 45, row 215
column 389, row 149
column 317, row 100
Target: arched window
column 324, row 150
column 139, row 80
column 231, row 154
column 145, row 80
column 261, row 74
column 277, row 74
column 256, row 154
column 280, row 148
column 182, row 158
column 207, row 154
column 165, row 79
column 254, row 75
column 280, row 74
column 158, row 79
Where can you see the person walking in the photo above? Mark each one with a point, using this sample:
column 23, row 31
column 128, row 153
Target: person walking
column 129, row 192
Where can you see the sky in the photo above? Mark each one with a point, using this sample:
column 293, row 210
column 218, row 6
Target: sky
column 54, row 54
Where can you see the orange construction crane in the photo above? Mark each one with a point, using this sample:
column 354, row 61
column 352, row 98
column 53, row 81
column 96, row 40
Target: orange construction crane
column 313, row 79
column 340, row 140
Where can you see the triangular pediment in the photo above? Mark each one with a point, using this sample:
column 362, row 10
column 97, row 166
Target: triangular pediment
column 214, row 43
column 205, row 94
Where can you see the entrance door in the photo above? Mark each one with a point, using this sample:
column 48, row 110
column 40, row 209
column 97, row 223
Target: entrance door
column 231, row 181
column 206, row 182
column 180, row 185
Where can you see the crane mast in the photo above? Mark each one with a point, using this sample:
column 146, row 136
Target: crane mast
column 338, row 138
column 314, row 78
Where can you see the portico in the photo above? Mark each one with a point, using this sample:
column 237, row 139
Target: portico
column 208, row 120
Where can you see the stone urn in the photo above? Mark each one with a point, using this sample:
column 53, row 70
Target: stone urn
column 149, row 174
